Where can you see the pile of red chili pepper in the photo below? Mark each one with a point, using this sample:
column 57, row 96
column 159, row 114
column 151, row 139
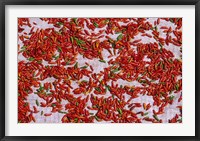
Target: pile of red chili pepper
column 123, row 61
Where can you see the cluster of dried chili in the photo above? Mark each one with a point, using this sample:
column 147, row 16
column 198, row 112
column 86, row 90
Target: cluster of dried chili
column 140, row 54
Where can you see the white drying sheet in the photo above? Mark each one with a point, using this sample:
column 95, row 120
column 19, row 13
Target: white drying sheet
column 170, row 110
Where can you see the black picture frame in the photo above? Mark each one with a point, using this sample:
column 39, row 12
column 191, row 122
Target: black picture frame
column 3, row 4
